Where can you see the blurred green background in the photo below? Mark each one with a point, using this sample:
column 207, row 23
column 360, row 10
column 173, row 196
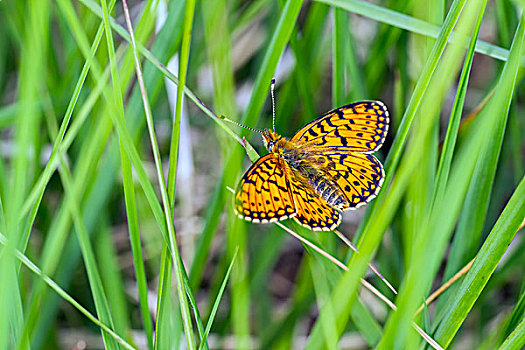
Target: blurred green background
column 117, row 229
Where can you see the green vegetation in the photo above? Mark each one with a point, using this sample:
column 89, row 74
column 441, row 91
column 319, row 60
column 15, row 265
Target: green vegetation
column 116, row 224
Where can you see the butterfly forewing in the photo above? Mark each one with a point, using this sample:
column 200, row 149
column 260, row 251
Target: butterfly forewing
column 358, row 175
column 263, row 194
column 357, row 127
column 312, row 210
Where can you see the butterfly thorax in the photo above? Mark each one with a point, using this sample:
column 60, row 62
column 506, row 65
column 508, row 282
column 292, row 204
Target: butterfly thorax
column 309, row 165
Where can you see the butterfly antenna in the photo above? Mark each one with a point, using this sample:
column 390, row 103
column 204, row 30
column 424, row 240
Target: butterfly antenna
column 238, row 124
column 272, row 86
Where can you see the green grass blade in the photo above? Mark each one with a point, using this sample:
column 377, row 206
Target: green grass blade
column 515, row 340
column 24, row 140
column 338, row 57
column 517, row 313
column 486, row 261
column 112, row 280
column 429, row 248
column 470, row 225
column 275, row 48
column 217, row 302
column 358, row 88
column 167, row 335
column 495, row 245
column 174, row 144
column 324, row 302
column 455, row 116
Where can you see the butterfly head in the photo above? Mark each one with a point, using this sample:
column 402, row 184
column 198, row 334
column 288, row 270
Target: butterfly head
column 271, row 140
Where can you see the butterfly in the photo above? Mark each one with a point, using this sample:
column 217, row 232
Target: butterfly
column 327, row 167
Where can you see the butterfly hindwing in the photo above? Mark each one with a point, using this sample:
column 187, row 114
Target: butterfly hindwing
column 356, row 127
column 263, row 194
column 358, row 175
column 313, row 211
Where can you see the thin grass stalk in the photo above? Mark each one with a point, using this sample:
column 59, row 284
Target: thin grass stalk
column 217, row 38
column 183, row 69
column 167, row 203
column 130, row 203
column 129, row 194
column 213, row 313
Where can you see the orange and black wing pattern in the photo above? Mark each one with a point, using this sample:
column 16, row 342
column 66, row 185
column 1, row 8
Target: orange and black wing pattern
column 356, row 127
column 263, row 194
column 313, row 211
column 358, row 175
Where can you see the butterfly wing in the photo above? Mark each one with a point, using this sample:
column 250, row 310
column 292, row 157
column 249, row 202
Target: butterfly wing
column 313, row 211
column 358, row 175
column 357, row 127
column 263, row 194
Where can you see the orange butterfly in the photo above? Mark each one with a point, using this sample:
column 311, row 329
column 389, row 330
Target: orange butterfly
column 325, row 168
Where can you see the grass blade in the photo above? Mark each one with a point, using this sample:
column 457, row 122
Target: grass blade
column 496, row 244
column 216, row 303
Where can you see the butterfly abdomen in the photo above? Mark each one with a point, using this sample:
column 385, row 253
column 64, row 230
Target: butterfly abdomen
column 328, row 191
